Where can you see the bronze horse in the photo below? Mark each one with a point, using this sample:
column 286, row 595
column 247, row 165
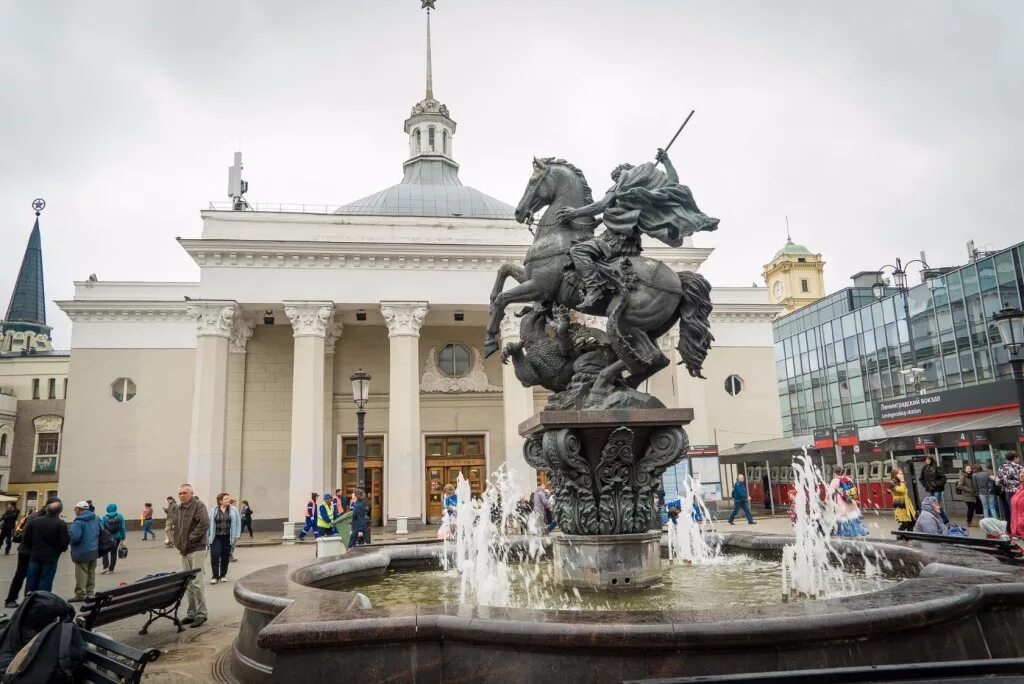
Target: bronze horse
column 650, row 301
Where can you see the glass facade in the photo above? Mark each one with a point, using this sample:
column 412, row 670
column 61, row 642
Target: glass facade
column 836, row 358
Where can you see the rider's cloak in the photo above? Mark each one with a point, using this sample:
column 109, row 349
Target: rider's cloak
column 647, row 200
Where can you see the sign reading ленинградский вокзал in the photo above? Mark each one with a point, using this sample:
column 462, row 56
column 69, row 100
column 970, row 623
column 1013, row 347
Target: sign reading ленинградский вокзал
column 948, row 402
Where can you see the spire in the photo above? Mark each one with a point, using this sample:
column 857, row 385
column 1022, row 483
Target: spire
column 430, row 71
column 26, row 312
column 789, row 238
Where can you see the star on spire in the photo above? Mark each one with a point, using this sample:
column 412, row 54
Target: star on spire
column 427, row 4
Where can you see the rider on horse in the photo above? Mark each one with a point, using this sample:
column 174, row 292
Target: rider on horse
column 643, row 201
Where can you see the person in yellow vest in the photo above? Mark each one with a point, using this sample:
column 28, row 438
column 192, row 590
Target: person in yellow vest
column 325, row 516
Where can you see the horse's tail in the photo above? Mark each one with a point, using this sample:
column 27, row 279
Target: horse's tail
column 694, row 327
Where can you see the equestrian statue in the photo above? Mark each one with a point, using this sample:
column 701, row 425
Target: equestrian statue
column 569, row 268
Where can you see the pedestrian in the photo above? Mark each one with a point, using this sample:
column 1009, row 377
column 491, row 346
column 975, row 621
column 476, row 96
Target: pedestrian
column 932, row 479
column 966, row 488
column 1008, row 479
column 340, row 503
column 310, row 518
column 1017, row 514
column 541, row 506
column 18, row 581
column 740, row 501
column 7, row 525
column 984, row 487
column 147, row 521
column 930, row 519
column 223, row 529
column 843, row 494
column 902, row 506
column 113, row 521
column 325, row 517
column 47, row 538
column 766, row 487
column 246, row 513
column 170, row 511
column 191, row 527
column 360, row 519
column 85, row 550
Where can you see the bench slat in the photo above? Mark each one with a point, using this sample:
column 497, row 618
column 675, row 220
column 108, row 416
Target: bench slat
column 124, row 650
column 139, row 587
column 94, row 658
column 119, row 611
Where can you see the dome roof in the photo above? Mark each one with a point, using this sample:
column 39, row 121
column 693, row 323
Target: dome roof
column 792, row 249
column 431, row 187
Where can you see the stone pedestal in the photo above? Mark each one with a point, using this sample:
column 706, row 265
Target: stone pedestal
column 330, row 546
column 615, row 562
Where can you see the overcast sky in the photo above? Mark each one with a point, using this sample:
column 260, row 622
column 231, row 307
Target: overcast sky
column 881, row 128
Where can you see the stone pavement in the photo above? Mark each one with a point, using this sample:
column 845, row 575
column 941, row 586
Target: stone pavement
column 201, row 655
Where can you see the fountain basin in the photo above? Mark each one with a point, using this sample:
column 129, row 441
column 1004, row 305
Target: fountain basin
column 294, row 623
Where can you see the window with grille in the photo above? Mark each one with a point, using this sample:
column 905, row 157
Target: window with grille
column 454, row 360
column 734, row 385
column 804, row 285
column 48, row 443
column 122, row 389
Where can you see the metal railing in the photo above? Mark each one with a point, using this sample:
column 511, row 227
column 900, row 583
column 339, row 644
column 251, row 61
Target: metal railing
column 280, row 207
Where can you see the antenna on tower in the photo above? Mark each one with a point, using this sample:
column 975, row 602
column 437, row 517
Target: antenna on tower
column 236, row 186
column 789, row 238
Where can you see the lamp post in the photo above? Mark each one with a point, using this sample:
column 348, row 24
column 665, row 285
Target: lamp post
column 1010, row 323
column 899, row 278
column 360, row 393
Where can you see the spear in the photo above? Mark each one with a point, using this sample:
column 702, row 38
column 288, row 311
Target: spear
column 665, row 149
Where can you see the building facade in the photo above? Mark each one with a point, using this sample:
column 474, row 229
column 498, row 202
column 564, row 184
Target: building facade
column 839, row 357
column 239, row 381
column 795, row 276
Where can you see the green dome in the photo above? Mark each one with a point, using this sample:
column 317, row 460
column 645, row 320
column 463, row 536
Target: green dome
column 792, row 249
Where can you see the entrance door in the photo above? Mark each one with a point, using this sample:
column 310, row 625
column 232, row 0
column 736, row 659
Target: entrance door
column 373, row 465
column 448, row 457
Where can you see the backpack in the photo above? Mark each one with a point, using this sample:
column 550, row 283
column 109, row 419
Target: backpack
column 105, row 543
column 53, row 655
column 113, row 525
column 39, row 609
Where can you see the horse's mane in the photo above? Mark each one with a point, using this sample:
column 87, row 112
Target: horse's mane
column 587, row 193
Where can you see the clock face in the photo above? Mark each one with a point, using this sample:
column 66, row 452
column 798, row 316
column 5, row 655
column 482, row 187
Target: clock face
column 777, row 290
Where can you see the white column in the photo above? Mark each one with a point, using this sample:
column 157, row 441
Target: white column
column 690, row 393
column 208, row 438
column 332, row 474
column 404, row 475
column 662, row 384
column 310, row 323
column 517, row 402
column 241, row 332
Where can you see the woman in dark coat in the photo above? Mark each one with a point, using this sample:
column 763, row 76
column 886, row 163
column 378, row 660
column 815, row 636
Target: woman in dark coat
column 360, row 519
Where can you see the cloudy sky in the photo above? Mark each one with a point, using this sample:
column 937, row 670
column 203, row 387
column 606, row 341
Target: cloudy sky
column 880, row 128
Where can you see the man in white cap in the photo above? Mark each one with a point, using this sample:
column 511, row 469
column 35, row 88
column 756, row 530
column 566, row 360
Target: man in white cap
column 85, row 543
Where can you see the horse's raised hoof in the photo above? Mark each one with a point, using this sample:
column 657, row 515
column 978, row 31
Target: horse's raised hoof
column 490, row 346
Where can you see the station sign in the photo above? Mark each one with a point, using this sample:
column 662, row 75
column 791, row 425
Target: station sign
column 702, row 450
column 924, row 442
column 823, row 439
column 848, row 435
column 964, row 400
column 972, row 438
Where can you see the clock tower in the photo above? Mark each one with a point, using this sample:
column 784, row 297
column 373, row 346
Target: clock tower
column 795, row 277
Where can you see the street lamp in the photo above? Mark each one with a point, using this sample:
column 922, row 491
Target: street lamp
column 360, row 394
column 1010, row 323
column 899, row 279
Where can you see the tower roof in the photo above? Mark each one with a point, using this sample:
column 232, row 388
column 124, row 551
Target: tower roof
column 792, row 249
column 430, row 185
column 27, row 308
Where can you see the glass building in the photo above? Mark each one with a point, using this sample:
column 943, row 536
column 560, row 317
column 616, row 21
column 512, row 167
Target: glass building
column 836, row 358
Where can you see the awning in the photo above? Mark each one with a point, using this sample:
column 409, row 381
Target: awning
column 784, row 447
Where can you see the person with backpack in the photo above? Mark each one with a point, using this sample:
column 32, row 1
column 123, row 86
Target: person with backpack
column 113, row 522
column 7, row 524
column 46, row 538
column 18, row 581
column 85, row 541
column 147, row 522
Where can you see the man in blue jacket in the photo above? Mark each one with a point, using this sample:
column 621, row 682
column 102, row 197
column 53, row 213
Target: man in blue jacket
column 740, row 500
column 311, row 514
column 85, row 542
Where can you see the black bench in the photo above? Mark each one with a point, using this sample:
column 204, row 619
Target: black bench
column 107, row 661
column 1003, row 547
column 160, row 597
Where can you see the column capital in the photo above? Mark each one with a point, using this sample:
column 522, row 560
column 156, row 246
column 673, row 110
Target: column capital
column 510, row 324
column 310, row 319
column 214, row 318
column 669, row 340
column 333, row 334
column 241, row 332
column 404, row 318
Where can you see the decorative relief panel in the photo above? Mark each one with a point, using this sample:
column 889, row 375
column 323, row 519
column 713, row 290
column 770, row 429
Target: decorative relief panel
column 475, row 380
column 310, row 318
column 213, row 318
column 404, row 318
column 48, row 423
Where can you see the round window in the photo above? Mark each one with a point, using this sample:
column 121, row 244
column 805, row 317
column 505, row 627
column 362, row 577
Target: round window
column 454, row 360
column 122, row 389
column 734, row 385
